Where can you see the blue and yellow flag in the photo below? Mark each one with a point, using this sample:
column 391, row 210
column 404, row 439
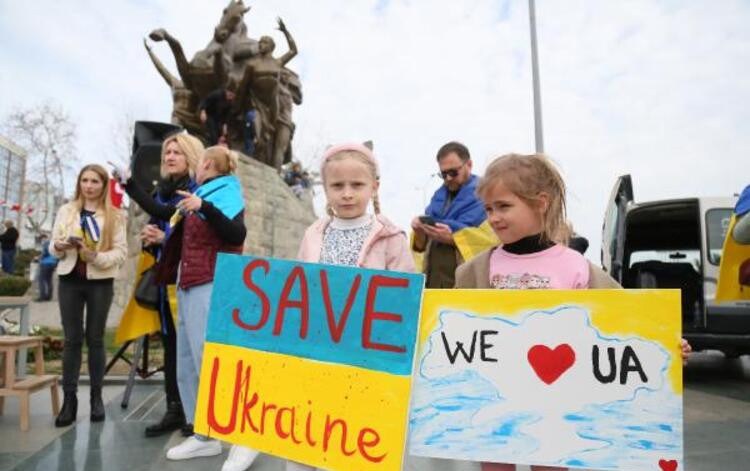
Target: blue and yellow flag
column 471, row 241
column 138, row 321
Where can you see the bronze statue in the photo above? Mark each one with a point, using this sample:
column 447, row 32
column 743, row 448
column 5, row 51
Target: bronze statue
column 209, row 69
column 271, row 89
column 233, row 61
column 184, row 100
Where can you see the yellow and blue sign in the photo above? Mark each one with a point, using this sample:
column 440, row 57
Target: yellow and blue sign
column 578, row 379
column 310, row 362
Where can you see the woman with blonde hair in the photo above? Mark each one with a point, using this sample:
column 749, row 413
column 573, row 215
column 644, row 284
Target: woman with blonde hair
column 88, row 237
column 179, row 156
column 212, row 222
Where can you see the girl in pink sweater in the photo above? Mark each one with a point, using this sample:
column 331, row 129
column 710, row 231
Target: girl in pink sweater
column 349, row 235
column 524, row 197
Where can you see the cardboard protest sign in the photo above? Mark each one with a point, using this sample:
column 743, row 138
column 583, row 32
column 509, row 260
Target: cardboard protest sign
column 310, row 362
column 583, row 379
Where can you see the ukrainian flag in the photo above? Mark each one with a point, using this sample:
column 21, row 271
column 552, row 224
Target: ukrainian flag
column 138, row 321
column 470, row 241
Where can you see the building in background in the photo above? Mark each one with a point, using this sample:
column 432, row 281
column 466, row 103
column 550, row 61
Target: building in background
column 12, row 178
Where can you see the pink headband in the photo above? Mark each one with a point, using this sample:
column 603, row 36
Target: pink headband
column 350, row 146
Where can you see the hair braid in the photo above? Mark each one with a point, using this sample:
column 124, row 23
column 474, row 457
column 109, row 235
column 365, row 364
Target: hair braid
column 376, row 203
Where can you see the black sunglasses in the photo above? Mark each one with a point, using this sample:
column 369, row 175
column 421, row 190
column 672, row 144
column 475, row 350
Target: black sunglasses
column 451, row 172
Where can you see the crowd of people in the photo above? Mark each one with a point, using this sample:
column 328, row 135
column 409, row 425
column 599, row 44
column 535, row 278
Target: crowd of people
column 197, row 211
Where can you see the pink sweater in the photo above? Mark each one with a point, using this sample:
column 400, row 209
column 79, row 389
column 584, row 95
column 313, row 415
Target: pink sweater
column 557, row 267
column 385, row 248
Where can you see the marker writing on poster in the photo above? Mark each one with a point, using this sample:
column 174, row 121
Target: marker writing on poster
column 629, row 363
column 258, row 415
column 484, row 345
column 478, row 346
column 297, row 277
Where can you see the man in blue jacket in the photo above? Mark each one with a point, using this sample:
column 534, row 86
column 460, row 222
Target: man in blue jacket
column 453, row 207
column 47, row 264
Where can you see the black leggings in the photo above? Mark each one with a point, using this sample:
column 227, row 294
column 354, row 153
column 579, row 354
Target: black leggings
column 169, row 340
column 96, row 297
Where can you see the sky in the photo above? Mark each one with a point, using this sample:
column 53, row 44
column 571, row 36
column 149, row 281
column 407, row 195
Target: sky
column 655, row 89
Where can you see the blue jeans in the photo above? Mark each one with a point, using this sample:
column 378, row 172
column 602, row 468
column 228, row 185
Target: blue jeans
column 192, row 318
column 9, row 258
column 45, row 282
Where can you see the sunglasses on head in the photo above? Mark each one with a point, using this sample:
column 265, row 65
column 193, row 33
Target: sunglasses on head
column 451, row 172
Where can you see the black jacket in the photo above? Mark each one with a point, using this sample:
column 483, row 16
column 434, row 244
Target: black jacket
column 8, row 239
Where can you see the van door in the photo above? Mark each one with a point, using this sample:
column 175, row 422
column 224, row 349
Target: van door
column 717, row 214
column 613, row 229
column 730, row 317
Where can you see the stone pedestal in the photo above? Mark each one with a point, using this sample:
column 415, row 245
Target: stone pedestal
column 275, row 218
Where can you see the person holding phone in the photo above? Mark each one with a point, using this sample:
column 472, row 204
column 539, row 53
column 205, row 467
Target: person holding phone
column 88, row 237
column 453, row 207
column 427, row 220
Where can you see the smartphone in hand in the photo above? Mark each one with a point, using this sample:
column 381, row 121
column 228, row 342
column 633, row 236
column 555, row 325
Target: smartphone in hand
column 428, row 220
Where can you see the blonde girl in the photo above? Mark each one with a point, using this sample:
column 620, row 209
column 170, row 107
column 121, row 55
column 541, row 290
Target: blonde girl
column 212, row 221
column 349, row 235
column 524, row 197
column 88, row 237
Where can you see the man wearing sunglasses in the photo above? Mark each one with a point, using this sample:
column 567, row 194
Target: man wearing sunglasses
column 453, row 207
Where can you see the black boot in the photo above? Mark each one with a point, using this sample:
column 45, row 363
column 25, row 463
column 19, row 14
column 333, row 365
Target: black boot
column 68, row 412
column 173, row 419
column 97, row 405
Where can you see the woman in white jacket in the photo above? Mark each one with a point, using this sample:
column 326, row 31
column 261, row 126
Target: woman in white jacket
column 89, row 239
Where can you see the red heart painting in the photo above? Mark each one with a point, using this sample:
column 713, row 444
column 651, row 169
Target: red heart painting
column 550, row 364
column 668, row 465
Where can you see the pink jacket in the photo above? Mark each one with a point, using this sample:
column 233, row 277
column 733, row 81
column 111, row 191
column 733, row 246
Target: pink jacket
column 385, row 248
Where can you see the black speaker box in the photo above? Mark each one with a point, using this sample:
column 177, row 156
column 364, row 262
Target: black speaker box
column 145, row 162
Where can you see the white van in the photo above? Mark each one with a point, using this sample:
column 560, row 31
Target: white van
column 677, row 244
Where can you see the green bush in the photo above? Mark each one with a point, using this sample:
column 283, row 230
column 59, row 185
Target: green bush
column 23, row 260
column 11, row 285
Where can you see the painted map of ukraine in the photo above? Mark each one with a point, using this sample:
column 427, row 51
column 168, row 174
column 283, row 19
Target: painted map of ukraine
column 541, row 386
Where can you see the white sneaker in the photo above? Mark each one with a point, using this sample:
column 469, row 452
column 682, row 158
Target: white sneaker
column 193, row 448
column 239, row 459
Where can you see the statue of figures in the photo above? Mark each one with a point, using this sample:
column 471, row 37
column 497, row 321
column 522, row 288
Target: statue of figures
column 235, row 62
column 210, row 68
column 184, row 100
column 271, row 89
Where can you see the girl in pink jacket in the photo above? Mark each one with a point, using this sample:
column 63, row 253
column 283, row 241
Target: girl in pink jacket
column 349, row 235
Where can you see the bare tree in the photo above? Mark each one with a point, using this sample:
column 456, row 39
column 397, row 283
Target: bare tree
column 48, row 134
column 122, row 138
